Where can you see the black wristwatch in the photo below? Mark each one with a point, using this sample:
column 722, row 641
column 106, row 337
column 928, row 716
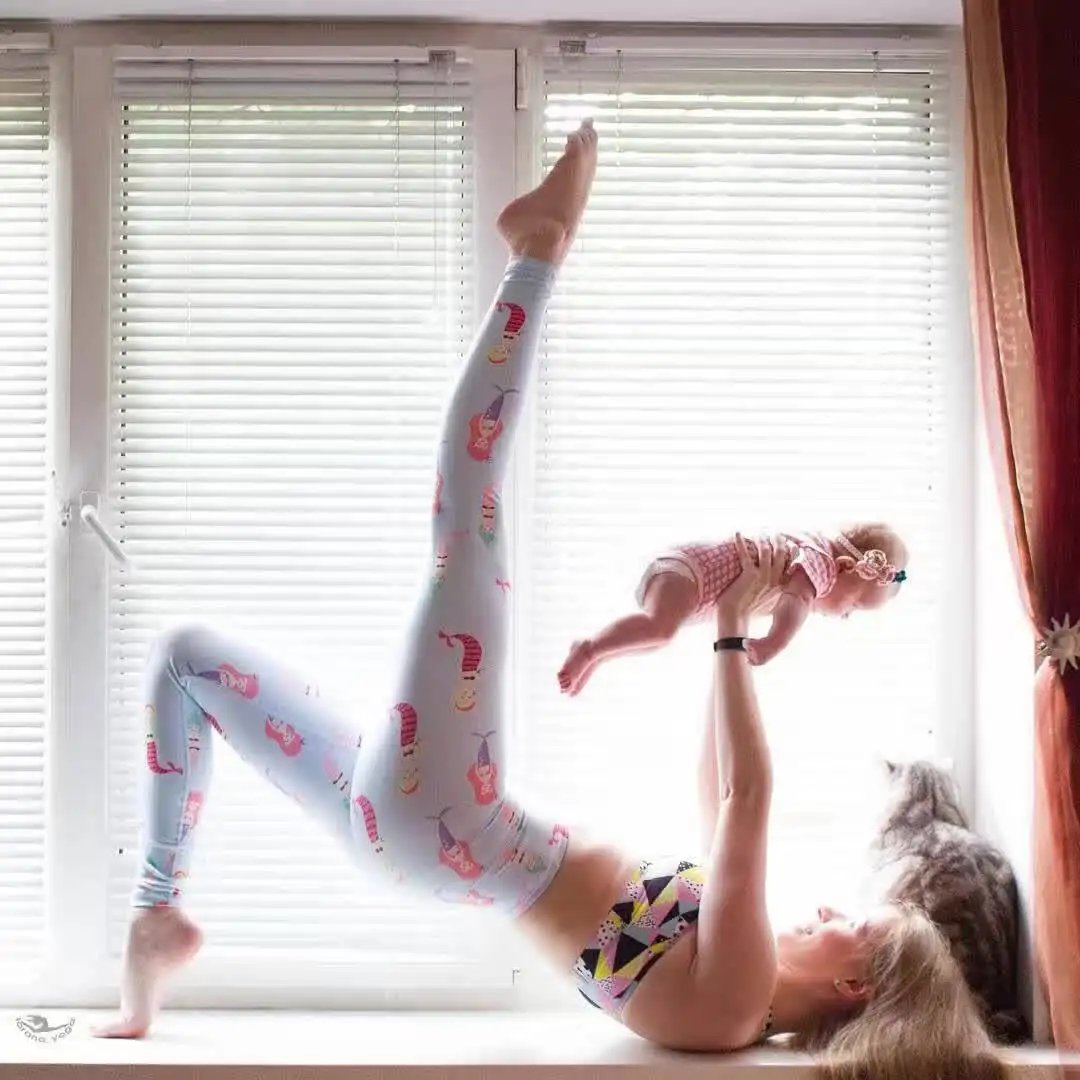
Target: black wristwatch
column 730, row 644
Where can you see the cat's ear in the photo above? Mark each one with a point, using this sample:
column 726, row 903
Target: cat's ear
column 891, row 768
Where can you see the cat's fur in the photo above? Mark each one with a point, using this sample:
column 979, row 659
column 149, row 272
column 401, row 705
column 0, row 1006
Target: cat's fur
column 926, row 854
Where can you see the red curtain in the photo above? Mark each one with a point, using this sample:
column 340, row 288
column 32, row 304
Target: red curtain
column 1024, row 182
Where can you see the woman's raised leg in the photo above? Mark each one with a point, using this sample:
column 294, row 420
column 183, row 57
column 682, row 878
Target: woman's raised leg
column 437, row 808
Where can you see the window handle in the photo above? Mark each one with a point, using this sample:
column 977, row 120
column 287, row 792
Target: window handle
column 88, row 515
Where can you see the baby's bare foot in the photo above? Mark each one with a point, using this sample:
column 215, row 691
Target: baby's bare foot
column 542, row 224
column 580, row 664
column 160, row 941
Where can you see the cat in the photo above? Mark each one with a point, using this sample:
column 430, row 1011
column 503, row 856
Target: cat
column 926, row 854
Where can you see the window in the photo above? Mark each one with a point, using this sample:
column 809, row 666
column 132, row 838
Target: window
column 756, row 330
column 25, row 339
column 291, row 291
column 753, row 333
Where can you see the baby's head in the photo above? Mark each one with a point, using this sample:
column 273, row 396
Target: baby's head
column 870, row 562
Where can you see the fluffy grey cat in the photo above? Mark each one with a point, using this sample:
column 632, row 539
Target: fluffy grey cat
column 926, row 854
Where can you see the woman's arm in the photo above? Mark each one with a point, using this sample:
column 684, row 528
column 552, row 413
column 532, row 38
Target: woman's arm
column 708, row 771
column 743, row 764
column 735, row 966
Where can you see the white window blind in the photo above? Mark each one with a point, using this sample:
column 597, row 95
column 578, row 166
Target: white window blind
column 752, row 332
column 24, row 365
column 292, row 255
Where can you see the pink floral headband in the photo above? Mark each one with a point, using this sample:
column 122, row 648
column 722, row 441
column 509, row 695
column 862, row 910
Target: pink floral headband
column 872, row 565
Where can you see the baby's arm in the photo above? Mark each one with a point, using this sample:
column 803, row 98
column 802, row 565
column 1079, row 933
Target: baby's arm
column 787, row 619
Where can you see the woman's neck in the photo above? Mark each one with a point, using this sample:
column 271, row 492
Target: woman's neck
column 796, row 1003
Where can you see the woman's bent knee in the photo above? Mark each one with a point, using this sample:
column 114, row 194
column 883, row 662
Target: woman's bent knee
column 179, row 647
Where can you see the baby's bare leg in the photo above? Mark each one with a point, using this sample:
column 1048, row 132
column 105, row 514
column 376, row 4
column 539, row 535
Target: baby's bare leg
column 669, row 602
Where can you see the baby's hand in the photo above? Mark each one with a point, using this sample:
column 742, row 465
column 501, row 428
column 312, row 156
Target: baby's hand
column 760, row 651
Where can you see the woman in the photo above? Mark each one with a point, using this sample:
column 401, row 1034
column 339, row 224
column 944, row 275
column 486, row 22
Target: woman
column 421, row 797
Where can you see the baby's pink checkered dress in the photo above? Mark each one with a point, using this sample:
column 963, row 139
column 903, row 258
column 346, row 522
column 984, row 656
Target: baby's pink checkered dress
column 713, row 567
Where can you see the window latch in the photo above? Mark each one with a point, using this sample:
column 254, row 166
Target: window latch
column 91, row 521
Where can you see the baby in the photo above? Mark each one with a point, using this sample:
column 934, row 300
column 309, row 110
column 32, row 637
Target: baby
column 857, row 569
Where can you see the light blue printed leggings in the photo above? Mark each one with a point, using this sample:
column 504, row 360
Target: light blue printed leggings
column 420, row 792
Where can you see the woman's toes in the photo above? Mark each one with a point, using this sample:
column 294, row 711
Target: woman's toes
column 586, row 134
column 120, row 1029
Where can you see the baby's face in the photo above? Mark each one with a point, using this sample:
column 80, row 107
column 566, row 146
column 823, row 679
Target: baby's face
column 872, row 595
column 851, row 593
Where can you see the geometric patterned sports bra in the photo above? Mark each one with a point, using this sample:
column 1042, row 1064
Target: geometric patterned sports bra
column 659, row 903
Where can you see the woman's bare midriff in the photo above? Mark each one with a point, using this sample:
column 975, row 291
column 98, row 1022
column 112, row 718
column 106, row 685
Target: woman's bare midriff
column 565, row 919
column 587, row 886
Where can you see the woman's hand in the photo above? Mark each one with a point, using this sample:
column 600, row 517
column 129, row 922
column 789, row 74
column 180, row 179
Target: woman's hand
column 752, row 588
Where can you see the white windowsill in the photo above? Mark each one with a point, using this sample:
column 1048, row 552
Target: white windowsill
column 279, row 1045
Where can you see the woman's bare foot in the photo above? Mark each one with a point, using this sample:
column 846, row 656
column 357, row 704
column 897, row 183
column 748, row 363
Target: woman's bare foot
column 542, row 224
column 160, row 941
column 580, row 664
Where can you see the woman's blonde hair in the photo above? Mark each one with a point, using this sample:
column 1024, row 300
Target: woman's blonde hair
column 920, row 1022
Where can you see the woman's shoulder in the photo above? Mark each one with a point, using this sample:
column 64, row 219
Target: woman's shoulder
column 674, row 1009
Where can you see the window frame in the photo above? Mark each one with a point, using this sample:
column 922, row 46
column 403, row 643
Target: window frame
column 508, row 92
